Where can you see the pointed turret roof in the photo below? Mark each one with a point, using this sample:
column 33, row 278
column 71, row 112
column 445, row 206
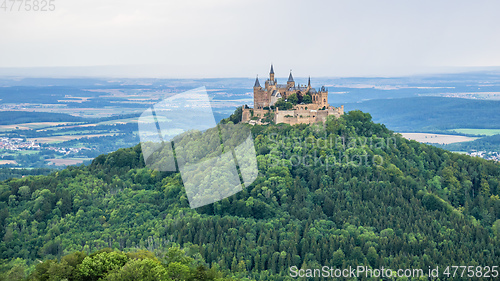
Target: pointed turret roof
column 257, row 84
column 309, row 82
column 272, row 70
column 290, row 77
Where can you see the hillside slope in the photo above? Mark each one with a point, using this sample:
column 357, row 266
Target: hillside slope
column 381, row 201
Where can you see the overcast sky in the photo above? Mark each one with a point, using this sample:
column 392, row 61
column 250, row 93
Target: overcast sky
column 221, row 38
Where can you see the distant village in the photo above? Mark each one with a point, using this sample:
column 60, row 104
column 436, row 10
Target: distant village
column 488, row 155
column 18, row 144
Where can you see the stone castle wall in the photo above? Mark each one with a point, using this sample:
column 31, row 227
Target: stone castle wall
column 306, row 114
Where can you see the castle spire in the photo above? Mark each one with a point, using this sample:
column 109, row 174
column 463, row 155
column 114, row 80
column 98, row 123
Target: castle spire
column 257, row 84
column 290, row 77
column 309, row 82
column 271, row 76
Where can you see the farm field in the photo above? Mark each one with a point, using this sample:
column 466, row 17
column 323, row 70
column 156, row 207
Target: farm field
column 66, row 127
column 80, row 112
column 32, row 126
column 6, row 162
column 110, row 122
column 67, row 162
column 485, row 132
column 436, row 138
column 56, row 139
column 4, row 152
column 119, row 121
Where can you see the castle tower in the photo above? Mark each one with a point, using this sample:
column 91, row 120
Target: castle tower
column 323, row 97
column 260, row 99
column 271, row 75
column 290, row 83
column 257, row 83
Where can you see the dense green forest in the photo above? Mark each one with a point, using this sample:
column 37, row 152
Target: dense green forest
column 381, row 201
column 113, row 265
column 6, row 173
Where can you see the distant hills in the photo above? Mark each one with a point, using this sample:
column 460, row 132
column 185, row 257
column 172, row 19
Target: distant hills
column 432, row 113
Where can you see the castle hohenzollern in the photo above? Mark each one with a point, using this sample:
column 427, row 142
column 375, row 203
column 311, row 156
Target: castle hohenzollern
column 288, row 103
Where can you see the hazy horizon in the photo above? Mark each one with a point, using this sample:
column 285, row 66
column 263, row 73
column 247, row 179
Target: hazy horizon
column 155, row 72
column 221, row 38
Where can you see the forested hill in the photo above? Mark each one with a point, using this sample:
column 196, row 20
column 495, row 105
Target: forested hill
column 381, row 201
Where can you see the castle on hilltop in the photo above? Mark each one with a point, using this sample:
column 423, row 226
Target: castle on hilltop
column 288, row 103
